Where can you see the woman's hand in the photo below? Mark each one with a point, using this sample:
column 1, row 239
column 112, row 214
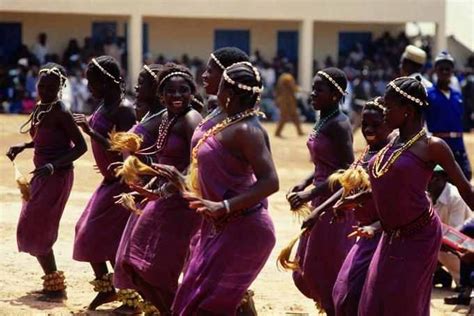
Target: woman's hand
column 171, row 174
column 43, row 171
column 297, row 188
column 82, row 122
column 15, row 150
column 364, row 231
column 352, row 202
column 297, row 199
column 210, row 209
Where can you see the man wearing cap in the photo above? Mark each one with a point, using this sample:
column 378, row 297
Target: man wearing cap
column 411, row 63
column 444, row 114
column 452, row 211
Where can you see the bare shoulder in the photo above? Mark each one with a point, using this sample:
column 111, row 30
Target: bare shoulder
column 339, row 125
column 125, row 111
column 437, row 146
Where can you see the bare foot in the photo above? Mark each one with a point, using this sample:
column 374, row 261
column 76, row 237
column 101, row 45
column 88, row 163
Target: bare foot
column 102, row 298
column 126, row 310
column 52, row 296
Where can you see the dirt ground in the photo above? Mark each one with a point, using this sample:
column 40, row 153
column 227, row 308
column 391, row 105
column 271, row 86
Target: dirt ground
column 275, row 293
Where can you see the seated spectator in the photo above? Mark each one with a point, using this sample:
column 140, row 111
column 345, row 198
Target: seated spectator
column 466, row 271
column 452, row 211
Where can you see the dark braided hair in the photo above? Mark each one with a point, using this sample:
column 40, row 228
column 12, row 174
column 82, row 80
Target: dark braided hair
column 110, row 65
column 338, row 76
column 244, row 73
column 230, row 55
column 372, row 105
column 411, row 86
column 169, row 68
column 61, row 69
column 156, row 69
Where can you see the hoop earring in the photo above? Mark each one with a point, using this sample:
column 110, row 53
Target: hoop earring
column 227, row 102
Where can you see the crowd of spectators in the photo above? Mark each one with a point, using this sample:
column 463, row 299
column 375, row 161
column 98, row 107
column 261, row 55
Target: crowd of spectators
column 369, row 67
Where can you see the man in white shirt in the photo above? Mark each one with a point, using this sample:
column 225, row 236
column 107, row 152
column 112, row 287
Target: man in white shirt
column 452, row 210
column 40, row 49
column 412, row 62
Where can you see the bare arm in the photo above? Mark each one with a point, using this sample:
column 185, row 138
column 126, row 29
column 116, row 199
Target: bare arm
column 257, row 153
column 72, row 130
column 442, row 155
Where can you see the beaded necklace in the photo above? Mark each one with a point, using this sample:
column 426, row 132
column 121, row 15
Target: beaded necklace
column 379, row 168
column 228, row 121
column 165, row 127
column 211, row 115
column 37, row 116
column 319, row 125
column 149, row 116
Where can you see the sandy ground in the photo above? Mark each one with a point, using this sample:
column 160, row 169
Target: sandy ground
column 20, row 273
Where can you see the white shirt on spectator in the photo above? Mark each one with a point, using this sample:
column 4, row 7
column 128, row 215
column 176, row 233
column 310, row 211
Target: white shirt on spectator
column 451, row 208
column 40, row 51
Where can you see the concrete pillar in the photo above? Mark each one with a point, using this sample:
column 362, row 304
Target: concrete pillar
column 305, row 54
column 441, row 41
column 134, row 48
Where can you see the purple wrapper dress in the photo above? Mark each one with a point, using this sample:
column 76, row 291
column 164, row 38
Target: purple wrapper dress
column 100, row 227
column 322, row 251
column 399, row 279
column 38, row 224
column 226, row 260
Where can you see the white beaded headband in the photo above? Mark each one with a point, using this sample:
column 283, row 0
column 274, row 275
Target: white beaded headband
column 406, row 95
column 54, row 71
column 175, row 73
column 242, row 86
column 376, row 103
column 331, row 80
column 217, row 61
column 105, row 72
column 150, row 72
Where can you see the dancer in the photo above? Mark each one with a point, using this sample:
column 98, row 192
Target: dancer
column 52, row 129
column 159, row 243
column 407, row 254
column 322, row 251
column 149, row 110
column 351, row 277
column 235, row 173
column 100, row 226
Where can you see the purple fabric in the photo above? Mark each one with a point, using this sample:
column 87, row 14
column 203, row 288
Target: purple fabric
column 225, row 261
column 38, row 224
column 100, row 227
column 351, row 277
column 159, row 241
column 399, row 279
column 322, row 251
column 122, row 278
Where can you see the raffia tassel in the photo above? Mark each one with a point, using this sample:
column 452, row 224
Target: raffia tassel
column 283, row 260
column 127, row 200
column 192, row 180
column 132, row 168
column 120, row 141
column 22, row 183
column 352, row 180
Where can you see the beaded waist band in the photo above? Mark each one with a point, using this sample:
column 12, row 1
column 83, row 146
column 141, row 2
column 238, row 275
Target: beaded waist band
column 412, row 227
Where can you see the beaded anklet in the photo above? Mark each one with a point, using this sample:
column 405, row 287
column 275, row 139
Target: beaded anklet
column 54, row 281
column 104, row 283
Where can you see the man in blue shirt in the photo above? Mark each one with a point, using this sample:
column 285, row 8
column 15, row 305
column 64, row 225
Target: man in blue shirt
column 444, row 115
